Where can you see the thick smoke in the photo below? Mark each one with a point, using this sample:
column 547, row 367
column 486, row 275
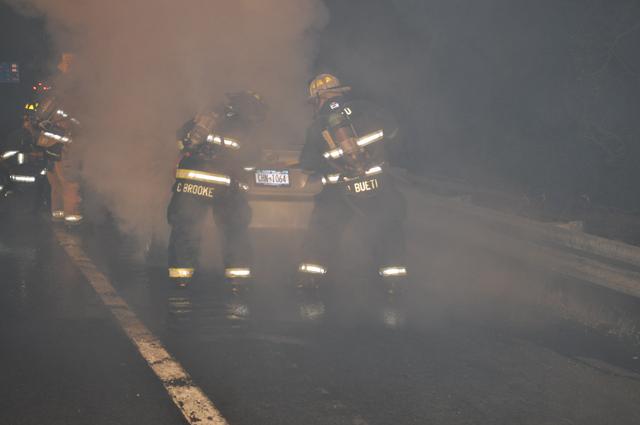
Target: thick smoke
column 145, row 66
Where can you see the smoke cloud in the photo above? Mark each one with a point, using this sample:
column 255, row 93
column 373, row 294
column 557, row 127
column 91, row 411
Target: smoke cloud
column 146, row 66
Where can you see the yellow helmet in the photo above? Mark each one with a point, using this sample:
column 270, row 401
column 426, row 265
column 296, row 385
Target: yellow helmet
column 31, row 107
column 326, row 83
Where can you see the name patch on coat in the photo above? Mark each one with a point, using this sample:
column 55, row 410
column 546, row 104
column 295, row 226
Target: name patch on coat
column 363, row 186
column 195, row 189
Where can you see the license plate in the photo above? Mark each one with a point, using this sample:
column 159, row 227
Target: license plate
column 272, row 177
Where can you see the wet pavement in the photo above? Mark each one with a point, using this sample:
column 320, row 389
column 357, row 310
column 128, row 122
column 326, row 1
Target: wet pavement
column 63, row 359
column 349, row 355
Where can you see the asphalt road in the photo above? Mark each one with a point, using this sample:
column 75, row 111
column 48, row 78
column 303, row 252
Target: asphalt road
column 444, row 353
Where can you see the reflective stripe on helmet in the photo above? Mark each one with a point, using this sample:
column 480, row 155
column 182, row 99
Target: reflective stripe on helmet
column 201, row 176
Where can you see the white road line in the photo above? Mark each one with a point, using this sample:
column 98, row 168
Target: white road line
column 190, row 399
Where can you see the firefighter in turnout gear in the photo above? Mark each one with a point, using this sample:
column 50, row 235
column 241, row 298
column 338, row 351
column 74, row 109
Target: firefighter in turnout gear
column 22, row 162
column 213, row 145
column 58, row 130
column 348, row 145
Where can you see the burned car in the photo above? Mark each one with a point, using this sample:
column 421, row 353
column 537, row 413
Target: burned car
column 280, row 193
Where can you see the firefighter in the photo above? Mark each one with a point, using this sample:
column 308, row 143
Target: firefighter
column 213, row 145
column 21, row 155
column 348, row 144
column 23, row 139
column 58, row 129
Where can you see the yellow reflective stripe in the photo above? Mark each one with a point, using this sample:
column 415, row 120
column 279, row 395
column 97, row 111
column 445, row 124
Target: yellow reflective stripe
column 56, row 137
column 223, row 141
column 73, row 218
column 201, row 176
column 333, row 154
column 238, row 272
column 374, row 170
column 330, row 179
column 22, row 179
column 180, row 272
column 361, row 142
column 312, row 268
column 230, row 143
column 370, row 138
column 393, row 271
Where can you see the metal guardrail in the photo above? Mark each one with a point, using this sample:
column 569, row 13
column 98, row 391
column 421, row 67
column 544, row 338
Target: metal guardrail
column 604, row 262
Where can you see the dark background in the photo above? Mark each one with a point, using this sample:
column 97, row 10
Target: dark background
column 540, row 98
column 22, row 40
column 537, row 98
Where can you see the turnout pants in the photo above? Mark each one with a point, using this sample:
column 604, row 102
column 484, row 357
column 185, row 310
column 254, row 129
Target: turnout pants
column 232, row 215
column 379, row 222
column 63, row 176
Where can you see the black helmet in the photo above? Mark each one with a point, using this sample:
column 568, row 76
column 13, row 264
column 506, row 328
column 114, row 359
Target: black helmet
column 46, row 109
column 247, row 106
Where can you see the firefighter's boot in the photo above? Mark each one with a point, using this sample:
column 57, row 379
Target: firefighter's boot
column 394, row 280
column 310, row 276
column 239, row 280
column 181, row 277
